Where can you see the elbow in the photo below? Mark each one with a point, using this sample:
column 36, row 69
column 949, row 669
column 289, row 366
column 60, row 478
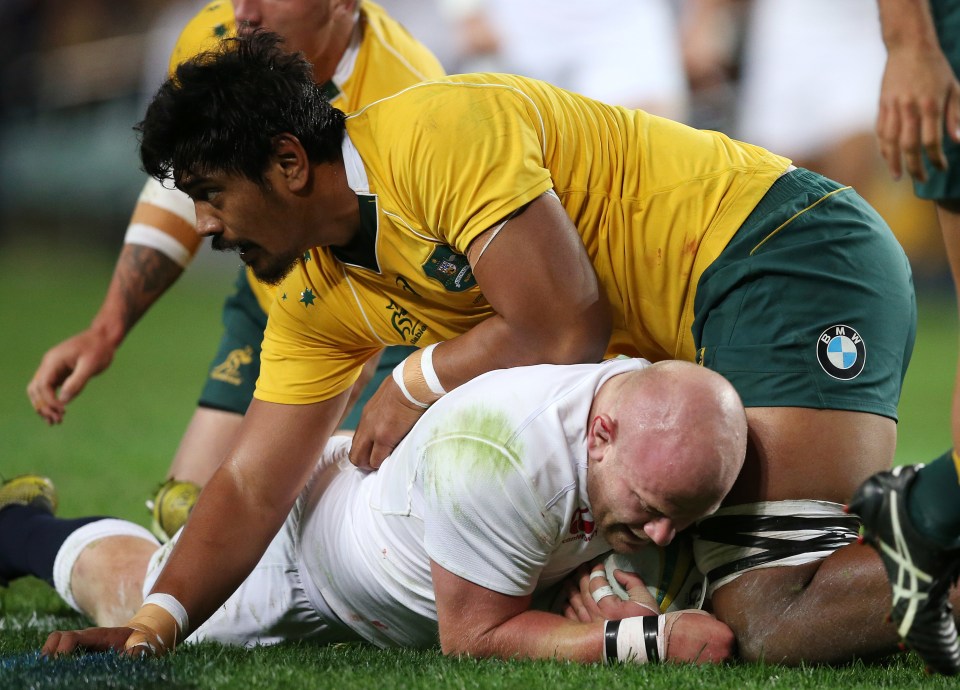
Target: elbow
column 585, row 337
column 457, row 646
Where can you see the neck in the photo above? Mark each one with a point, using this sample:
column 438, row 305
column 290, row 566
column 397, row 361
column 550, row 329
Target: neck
column 609, row 391
column 325, row 65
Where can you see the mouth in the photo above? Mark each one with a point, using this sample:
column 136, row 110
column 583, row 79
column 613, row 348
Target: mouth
column 244, row 249
column 630, row 540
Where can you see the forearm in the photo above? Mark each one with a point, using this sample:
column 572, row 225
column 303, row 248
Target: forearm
column 680, row 636
column 161, row 239
column 229, row 529
column 907, row 24
column 141, row 275
column 246, row 501
column 534, row 635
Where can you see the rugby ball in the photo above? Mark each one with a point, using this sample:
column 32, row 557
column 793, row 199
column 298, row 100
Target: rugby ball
column 172, row 506
column 669, row 573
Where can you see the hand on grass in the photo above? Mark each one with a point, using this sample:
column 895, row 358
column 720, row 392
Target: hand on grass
column 89, row 640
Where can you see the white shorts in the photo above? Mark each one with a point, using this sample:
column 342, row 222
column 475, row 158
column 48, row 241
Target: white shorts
column 811, row 74
column 621, row 52
column 273, row 604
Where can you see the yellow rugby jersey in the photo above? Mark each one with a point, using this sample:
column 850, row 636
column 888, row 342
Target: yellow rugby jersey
column 655, row 202
column 387, row 60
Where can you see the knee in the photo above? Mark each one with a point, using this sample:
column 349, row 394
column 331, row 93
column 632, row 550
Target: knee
column 760, row 607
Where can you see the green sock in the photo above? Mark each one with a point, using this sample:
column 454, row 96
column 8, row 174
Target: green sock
column 934, row 501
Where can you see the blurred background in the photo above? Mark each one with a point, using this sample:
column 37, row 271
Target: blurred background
column 75, row 76
column 798, row 76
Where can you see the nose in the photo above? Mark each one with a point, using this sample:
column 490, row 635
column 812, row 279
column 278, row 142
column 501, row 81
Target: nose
column 247, row 13
column 660, row 530
column 207, row 224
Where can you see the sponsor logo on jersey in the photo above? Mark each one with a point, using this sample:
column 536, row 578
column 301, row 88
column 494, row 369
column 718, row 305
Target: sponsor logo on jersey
column 409, row 327
column 841, row 352
column 228, row 371
column 582, row 525
column 450, row 269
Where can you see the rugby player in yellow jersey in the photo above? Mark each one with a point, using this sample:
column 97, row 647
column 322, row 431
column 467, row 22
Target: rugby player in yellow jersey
column 359, row 55
column 493, row 221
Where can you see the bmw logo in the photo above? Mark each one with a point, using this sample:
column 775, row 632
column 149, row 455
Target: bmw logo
column 841, row 352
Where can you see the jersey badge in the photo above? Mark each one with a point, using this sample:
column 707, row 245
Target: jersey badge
column 841, row 352
column 450, row 269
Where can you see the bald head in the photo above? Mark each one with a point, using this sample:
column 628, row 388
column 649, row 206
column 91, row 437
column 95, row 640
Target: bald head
column 673, row 434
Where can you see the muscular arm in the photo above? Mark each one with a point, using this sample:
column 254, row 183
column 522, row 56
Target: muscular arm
column 920, row 94
column 246, row 502
column 549, row 309
column 549, row 305
column 479, row 622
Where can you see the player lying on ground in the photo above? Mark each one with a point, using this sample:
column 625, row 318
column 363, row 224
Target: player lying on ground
column 501, row 490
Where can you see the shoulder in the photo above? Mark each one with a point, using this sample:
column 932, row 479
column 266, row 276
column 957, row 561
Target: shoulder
column 208, row 27
column 396, row 48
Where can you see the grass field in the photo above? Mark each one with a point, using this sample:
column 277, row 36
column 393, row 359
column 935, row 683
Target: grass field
column 119, row 436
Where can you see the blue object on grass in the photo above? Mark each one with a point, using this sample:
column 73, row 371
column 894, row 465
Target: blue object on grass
column 106, row 670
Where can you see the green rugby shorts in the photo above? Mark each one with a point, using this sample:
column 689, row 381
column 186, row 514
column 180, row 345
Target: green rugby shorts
column 811, row 304
column 945, row 184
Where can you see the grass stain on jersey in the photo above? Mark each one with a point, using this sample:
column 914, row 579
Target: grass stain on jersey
column 480, row 455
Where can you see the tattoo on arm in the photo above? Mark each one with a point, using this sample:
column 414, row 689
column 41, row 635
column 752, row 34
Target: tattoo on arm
column 143, row 274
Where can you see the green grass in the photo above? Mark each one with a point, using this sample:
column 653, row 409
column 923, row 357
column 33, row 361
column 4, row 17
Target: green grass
column 119, row 436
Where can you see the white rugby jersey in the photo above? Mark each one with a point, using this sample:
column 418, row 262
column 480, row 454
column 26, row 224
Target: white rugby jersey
column 490, row 484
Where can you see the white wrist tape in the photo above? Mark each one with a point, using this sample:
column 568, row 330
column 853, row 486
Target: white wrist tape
column 171, row 605
column 398, row 379
column 638, row 640
column 429, row 373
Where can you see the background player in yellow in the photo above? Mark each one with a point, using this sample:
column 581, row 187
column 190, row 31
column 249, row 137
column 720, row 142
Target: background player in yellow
column 359, row 55
column 495, row 221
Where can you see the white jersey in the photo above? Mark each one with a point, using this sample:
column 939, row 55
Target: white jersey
column 490, row 484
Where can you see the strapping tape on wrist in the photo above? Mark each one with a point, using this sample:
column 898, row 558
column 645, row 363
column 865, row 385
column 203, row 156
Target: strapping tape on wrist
column 637, row 640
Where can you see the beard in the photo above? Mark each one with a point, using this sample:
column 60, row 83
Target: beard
column 267, row 268
column 273, row 272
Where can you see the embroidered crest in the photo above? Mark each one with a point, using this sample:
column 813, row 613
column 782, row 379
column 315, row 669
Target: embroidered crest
column 450, row 269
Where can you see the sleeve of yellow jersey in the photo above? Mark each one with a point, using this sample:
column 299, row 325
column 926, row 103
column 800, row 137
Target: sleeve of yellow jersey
column 464, row 156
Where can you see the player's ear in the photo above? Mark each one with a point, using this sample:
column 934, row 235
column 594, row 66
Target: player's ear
column 600, row 434
column 345, row 6
column 292, row 160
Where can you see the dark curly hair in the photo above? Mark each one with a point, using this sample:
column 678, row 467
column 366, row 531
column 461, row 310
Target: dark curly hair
column 221, row 110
